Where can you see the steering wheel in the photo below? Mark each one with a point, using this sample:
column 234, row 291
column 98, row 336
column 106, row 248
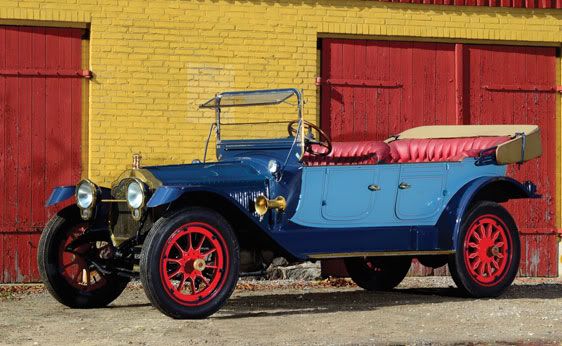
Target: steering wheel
column 323, row 140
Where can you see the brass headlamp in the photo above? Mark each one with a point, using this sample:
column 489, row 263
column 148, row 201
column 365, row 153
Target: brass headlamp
column 86, row 195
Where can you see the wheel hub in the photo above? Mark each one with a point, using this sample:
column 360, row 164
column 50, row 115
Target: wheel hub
column 194, row 264
column 199, row 264
column 493, row 251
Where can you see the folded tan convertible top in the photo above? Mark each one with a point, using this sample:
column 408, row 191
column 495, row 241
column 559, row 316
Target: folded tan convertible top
column 524, row 145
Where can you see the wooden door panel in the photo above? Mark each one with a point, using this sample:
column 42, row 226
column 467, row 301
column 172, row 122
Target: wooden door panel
column 40, row 124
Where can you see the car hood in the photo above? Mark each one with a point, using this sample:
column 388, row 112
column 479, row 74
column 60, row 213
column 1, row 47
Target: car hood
column 207, row 173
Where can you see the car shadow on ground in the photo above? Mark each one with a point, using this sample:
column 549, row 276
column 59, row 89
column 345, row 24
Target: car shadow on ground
column 301, row 303
column 134, row 305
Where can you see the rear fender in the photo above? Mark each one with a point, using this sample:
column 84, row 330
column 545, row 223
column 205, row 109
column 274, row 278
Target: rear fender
column 497, row 189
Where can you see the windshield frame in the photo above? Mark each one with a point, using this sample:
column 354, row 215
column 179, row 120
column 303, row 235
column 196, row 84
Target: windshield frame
column 215, row 103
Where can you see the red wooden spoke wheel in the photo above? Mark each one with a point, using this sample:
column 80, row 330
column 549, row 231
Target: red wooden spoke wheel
column 189, row 262
column 487, row 249
column 67, row 273
column 73, row 265
column 194, row 263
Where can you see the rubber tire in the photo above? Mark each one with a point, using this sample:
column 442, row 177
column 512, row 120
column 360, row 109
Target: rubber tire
column 150, row 263
column 468, row 286
column 58, row 287
column 393, row 270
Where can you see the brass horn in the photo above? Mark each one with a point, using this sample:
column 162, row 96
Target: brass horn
column 263, row 204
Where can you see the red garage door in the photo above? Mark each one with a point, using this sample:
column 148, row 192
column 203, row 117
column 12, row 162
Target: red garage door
column 373, row 89
column 40, row 128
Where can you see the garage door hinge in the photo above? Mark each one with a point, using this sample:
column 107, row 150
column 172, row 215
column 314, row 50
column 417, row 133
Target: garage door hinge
column 361, row 83
column 46, row 73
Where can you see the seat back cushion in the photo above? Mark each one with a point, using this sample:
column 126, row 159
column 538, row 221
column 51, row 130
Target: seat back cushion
column 349, row 153
column 441, row 149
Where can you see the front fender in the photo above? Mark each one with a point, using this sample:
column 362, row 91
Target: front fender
column 165, row 195
column 168, row 193
column 60, row 194
column 497, row 189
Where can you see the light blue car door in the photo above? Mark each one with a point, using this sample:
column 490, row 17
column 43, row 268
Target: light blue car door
column 349, row 192
column 347, row 196
column 421, row 190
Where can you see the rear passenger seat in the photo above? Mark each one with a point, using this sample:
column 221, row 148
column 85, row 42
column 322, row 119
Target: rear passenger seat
column 440, row 149
column 403, row 150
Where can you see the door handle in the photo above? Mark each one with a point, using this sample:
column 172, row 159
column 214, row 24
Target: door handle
column 374, row 187
column 404, row 186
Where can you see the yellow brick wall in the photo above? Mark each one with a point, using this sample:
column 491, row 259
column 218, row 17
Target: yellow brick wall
column 155, row 61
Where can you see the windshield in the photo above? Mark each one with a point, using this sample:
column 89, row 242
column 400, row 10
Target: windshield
column 249, row 98
column 239, row 115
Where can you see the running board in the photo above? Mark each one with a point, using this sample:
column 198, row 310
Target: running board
column 380, row 253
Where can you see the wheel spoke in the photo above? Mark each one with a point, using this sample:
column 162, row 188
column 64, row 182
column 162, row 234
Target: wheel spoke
column 189, row 241
column 74, row 262
column 476, row 234
column 182, row 283
column 208, row 253
column 192, row 283
column 473, row 245
column 200, row 243
column 489, row 231
column 496, row 264
column 205, row 280
column 473, row 255
column 173, row 260
column 495, row 235
column 177, row 246
column 476, row 264
column 482, row 268
column 489, row 269
column 174, row 273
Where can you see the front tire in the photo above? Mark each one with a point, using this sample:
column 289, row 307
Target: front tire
column 488, row 251
column 67, row 275
column 381, row 273
column 190, row 263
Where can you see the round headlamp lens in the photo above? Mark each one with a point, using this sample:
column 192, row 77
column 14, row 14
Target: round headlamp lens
column 85, row 195
column 135, row 195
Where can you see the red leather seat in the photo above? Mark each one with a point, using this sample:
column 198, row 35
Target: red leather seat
column 349, row 153
column 442, row 149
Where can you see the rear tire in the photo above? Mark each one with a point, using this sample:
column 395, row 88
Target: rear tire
column 378, row 273
column 189, row 263
column 62, row 272
column 488, row 251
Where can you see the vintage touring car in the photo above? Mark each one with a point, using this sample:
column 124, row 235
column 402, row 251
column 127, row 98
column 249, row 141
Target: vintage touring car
column 189, row 230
